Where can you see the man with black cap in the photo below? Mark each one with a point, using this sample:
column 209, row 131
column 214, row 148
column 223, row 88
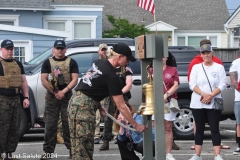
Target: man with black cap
column 59, row 75
column 12, row 80
column 100, row 81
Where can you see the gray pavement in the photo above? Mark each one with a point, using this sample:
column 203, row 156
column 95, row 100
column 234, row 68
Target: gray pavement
column 31, row 145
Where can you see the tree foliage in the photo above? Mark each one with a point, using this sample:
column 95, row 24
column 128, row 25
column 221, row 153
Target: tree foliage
column 122, row 28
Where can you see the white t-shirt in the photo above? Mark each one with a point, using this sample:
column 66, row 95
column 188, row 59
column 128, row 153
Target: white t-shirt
column 217, row 78
column 235, row 67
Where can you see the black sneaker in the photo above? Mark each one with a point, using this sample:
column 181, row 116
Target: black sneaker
column 237, row 152
column 115, row 141
column 175, row 146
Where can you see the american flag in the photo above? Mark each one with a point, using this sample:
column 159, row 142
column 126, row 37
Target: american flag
column 147, row 5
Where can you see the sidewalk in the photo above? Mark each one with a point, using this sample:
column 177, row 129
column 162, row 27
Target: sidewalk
column 184, row 153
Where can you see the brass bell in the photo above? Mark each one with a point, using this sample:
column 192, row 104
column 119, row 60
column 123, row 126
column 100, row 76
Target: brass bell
column 147, row 106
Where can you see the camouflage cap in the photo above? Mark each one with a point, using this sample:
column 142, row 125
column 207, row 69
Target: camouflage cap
column 206, row 48
column 103, row 45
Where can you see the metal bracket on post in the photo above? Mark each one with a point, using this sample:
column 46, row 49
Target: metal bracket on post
column 155, row 47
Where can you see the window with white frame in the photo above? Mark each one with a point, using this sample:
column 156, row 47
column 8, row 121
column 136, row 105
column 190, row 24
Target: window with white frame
column 19, row 54
column 82, row 30
column 181, row 41
column 9, row 19
column 59, row 26
column 213, row 39
column 236, row 42
column 78, row 26
column 194, row 41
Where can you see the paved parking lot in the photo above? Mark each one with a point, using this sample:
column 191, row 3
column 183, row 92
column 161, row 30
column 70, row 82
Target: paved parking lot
column 31, row 144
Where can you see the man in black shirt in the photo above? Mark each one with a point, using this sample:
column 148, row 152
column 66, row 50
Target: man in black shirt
column 59, row 75
column 99, row 82
column 12, row 80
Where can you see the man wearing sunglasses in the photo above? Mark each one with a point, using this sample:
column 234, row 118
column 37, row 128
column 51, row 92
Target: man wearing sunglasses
column 59, row 75
column 102, row 51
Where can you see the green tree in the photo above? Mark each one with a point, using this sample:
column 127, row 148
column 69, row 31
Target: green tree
column 123, row 28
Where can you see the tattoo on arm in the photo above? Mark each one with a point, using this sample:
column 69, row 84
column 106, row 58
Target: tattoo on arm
column 234, row 79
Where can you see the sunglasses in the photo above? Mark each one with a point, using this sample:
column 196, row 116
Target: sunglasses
column 60, row 48
column 103, row 49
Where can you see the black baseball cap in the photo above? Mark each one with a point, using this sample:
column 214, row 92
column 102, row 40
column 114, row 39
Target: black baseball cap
column 7, row 43
column 59, row 44
column 122, row 48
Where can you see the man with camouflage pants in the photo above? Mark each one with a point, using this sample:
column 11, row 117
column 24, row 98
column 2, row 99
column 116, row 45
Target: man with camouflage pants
column 59, row 75
column 12, row 80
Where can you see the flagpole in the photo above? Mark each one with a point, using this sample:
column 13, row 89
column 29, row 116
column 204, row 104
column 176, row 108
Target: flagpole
column 155, row 22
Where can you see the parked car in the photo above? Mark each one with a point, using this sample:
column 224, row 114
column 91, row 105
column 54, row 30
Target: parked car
column 30, row 65
column 183, row 125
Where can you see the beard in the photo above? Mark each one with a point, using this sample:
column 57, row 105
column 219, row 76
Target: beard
column 103, row 56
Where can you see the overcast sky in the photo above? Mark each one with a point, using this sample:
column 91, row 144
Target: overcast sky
column 232, row 5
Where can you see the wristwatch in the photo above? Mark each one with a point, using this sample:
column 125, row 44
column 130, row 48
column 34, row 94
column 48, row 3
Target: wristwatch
column 26, row 98
column 168, row 94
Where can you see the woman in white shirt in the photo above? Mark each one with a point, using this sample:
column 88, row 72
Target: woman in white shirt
column 202, row 100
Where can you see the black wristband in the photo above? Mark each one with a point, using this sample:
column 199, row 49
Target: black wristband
column 26, row 98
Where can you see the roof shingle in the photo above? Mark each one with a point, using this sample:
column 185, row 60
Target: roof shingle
column 183, row 14
column 43, row 4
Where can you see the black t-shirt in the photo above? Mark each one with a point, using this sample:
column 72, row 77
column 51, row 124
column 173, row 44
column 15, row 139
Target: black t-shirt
column 46, row 68
column 127, row 70
column 9, row 92
column 100, row 81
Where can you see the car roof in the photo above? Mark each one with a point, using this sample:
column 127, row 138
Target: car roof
column 96, row 41
column 88, row 49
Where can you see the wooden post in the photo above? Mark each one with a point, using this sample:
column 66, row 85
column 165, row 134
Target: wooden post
column 155, row 22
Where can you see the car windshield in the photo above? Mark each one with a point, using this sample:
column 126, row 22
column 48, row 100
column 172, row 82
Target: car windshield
column 41, row 57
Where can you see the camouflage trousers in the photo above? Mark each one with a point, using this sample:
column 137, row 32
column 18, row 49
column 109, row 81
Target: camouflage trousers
column 10, row 115
column 59, row 127
column 51, row 115
column 109, row 104
column 81, row 115
column 97, row 122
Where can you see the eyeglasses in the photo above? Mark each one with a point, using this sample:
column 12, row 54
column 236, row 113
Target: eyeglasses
column 103, row 49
